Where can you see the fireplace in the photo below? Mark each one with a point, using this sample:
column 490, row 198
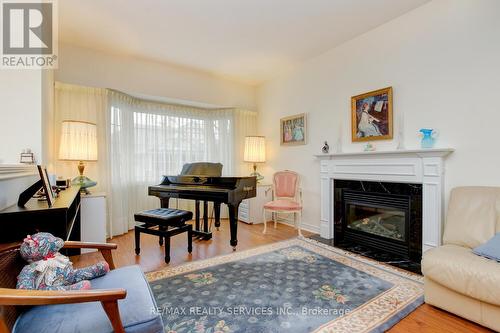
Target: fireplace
column 378, row 220
column 419, row 173
column 382, row 218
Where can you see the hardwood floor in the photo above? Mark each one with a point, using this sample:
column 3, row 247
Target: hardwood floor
column 426, row 319
column 152, row 255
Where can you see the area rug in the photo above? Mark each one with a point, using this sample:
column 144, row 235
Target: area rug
column 293, row 286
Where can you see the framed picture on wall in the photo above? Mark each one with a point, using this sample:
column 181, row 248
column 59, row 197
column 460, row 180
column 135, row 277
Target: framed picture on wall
column 371, row 115
column 293, row 130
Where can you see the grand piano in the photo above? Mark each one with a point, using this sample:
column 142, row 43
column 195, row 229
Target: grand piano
column 202, row 182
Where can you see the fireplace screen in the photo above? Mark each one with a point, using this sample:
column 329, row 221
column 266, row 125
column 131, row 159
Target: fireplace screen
column 385, row 222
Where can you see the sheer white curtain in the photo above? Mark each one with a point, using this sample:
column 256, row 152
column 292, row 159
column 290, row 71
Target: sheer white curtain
column 149, row 140
column 140, row 141
column 244, row 124
column 73, row 102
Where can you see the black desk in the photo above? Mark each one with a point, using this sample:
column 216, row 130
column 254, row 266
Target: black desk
column 61, row 220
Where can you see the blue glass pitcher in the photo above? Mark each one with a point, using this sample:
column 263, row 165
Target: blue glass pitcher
column 428, row 140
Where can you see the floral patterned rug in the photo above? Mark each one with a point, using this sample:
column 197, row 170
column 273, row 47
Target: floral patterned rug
column 298, row 285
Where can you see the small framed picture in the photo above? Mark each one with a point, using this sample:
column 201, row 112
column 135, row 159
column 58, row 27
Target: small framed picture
column 47, row 187
column 372, row 115
column 293, row 130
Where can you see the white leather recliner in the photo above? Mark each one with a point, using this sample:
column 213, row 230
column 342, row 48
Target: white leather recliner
column 457, row 280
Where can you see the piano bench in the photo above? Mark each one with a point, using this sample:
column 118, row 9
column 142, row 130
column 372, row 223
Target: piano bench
column 165, row 223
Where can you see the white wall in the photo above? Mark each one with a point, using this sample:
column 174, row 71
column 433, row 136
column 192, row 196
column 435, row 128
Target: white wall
column 11, row 188
column 20, row 113
column 121, row 72
column 26, row 107
column 442, row 59
column 48, row 148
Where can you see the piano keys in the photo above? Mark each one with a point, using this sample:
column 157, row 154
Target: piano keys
column 228, row 190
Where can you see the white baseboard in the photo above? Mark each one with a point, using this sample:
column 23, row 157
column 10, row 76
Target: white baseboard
column 304, row 226
column 310, row 227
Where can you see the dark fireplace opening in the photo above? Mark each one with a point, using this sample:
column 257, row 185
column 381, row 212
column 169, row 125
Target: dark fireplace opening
column 379, row 220
column 386, row 222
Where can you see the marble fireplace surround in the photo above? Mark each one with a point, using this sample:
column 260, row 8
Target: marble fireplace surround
column 419, row 166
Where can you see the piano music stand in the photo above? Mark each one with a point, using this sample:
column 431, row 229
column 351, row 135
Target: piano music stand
column 210, row 170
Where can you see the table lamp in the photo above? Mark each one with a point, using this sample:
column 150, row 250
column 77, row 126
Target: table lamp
column 79, row 143
column 255, row 152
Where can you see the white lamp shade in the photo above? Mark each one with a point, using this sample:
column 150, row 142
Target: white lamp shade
column 255, row 149
column 78, row 141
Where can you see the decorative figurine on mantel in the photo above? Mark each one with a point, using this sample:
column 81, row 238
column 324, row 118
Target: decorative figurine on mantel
column 369, row 147
column 326, row 148
column 27, row 157
column 428, row 136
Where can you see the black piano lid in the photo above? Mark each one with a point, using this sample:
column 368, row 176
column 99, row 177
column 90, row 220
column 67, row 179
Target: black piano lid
column 203, row 180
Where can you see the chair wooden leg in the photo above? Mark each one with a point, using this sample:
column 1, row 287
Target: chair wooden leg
column 113, row 313
column 275, row 219
column 299, row 222
column 108, row 257
column 4, row 328
column 265, row 221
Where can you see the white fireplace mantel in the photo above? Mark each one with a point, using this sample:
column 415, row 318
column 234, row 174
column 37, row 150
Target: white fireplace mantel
column 8, row 171
column 418, row 166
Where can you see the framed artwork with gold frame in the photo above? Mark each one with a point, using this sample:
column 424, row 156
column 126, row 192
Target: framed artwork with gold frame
column 293, row 130
column 371, row 116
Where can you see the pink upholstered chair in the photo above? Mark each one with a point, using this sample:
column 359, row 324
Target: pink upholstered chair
column 287, row 198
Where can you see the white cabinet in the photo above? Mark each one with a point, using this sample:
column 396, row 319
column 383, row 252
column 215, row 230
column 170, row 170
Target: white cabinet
column 250, row 210
column 93, row 219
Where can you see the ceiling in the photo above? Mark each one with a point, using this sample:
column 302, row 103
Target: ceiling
column 250, row 41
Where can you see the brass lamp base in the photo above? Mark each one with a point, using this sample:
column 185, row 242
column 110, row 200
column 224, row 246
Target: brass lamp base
column 83, row 181
column 256, row 174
